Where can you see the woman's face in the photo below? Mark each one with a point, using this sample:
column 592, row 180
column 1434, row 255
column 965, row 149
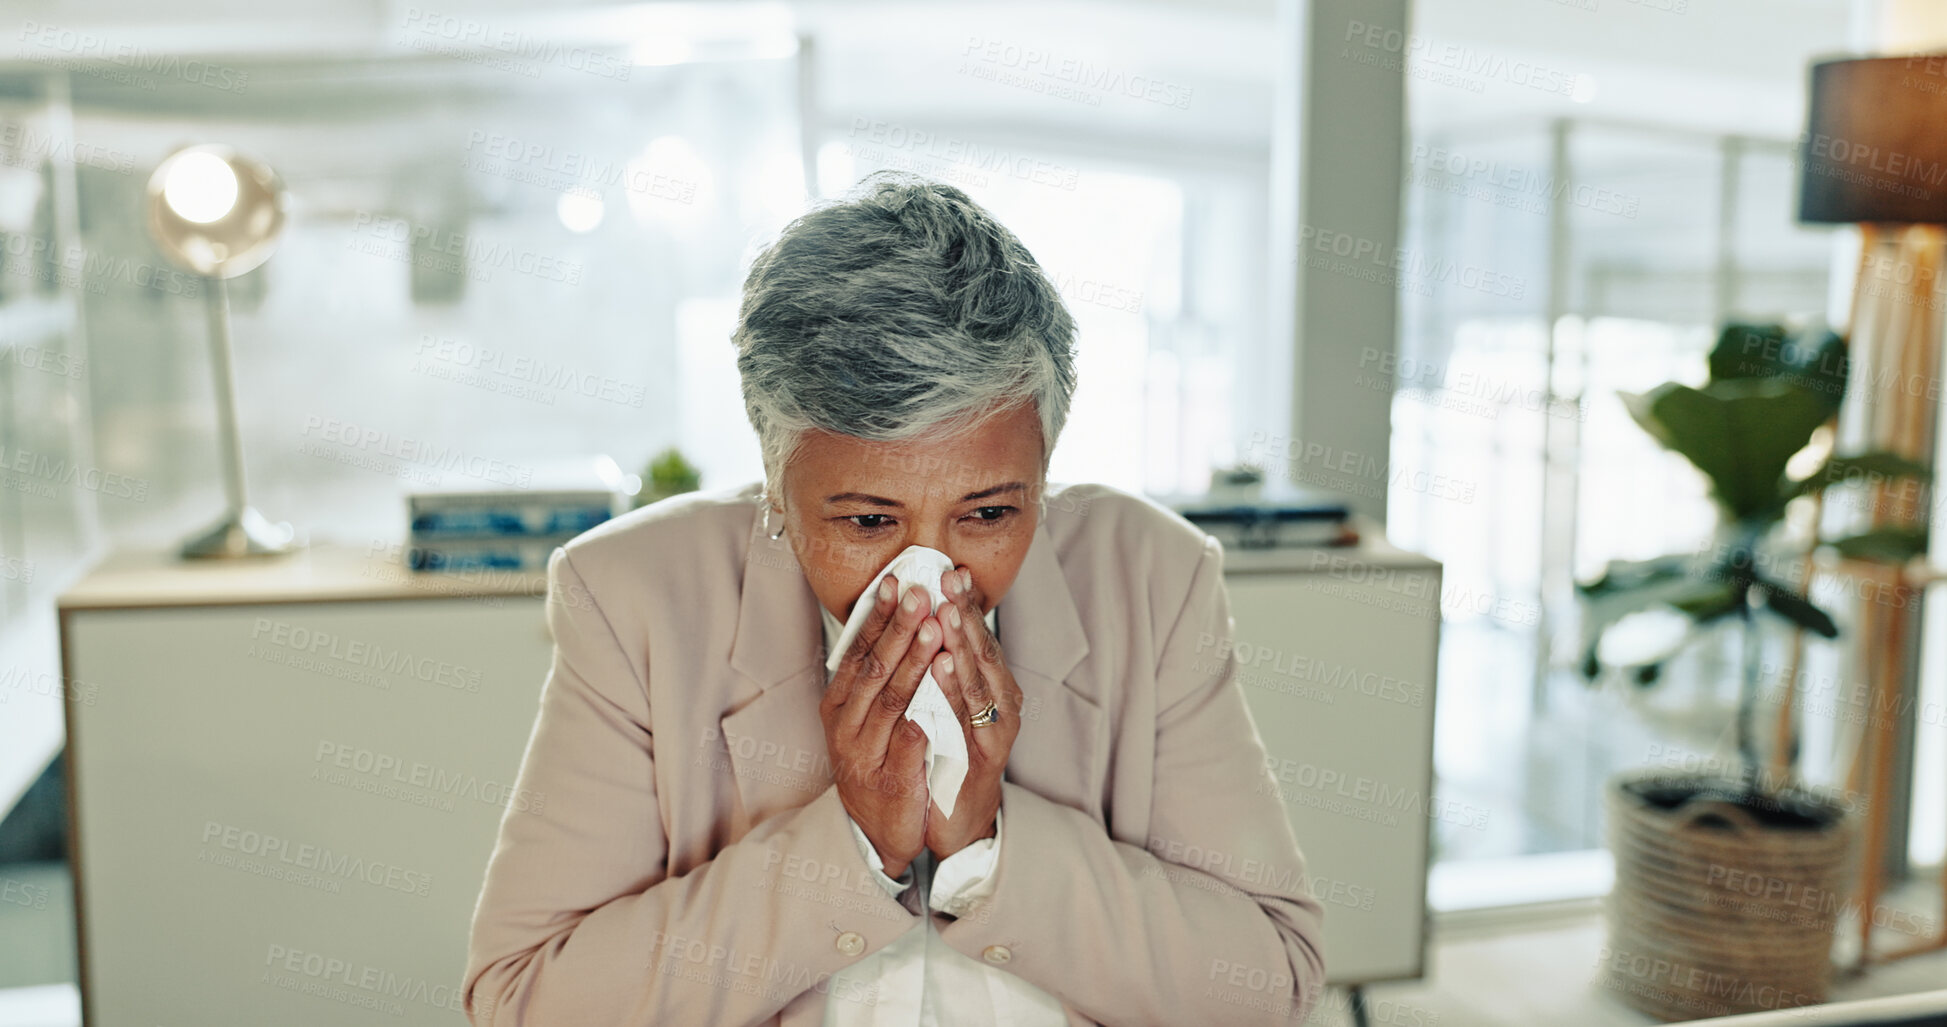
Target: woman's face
column 852, row 505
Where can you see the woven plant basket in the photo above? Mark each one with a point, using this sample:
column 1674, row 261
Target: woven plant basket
column 1719, row 908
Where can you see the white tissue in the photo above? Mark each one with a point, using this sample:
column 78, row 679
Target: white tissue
column 946, row 745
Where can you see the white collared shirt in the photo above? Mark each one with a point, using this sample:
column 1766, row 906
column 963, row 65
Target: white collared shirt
column 920, row 979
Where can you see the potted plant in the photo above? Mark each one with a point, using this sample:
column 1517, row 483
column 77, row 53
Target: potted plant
column 667, row 474
column 1689, row 935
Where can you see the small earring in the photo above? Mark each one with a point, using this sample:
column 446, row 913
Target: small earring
column 774, row 535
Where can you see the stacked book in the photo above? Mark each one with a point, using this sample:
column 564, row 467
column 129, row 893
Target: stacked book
column 1278, row 515
column 464, row 528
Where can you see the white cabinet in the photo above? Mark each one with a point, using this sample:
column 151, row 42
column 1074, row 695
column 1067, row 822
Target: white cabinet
column 1339, row 649
column 287, row 776
column 286, row 780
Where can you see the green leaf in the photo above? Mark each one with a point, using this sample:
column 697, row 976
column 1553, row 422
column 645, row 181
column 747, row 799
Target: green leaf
column 1621, row 575
column 1705, row 607
column 1631, row 586
column 1813, row 360
column 1797, row 609
column 1861, row 469
column 1628, row 586
column 1747, row 350
column 1740, row 433
column 1883, row 545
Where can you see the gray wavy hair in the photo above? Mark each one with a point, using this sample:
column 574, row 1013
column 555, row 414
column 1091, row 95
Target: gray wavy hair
column 901, row 312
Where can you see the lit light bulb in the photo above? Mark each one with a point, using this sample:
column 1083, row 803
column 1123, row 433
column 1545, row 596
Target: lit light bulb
column 201, row 187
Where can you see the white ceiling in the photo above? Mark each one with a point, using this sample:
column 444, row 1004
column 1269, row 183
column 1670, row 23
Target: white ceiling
column 1720, row 65
column 1717, row 65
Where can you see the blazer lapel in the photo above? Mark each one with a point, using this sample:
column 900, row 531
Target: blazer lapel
column 776, row 741
column 1059, row 753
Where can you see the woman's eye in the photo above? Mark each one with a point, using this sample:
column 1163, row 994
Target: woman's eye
column 981, row 515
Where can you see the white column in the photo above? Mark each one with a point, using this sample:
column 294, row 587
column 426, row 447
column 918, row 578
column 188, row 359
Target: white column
column 1337, row 145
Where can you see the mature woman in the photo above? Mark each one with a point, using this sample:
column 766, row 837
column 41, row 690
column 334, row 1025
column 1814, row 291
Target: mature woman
column 728, row 833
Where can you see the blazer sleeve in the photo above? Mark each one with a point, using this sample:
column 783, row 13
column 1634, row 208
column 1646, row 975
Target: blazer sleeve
column 578, row 921
column 1226, row 930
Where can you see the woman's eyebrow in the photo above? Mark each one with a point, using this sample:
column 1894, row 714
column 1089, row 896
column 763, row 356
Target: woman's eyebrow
column 860, row 497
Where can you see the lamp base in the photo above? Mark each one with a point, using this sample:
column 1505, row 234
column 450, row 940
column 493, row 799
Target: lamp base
column 240, row 534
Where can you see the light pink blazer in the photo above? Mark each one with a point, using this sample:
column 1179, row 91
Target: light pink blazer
column 690, row 862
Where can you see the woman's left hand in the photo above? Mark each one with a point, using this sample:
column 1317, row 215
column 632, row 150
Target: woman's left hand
column 973, row 672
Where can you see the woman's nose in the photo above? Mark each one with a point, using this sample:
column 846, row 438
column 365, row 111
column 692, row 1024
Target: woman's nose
column 931, row 538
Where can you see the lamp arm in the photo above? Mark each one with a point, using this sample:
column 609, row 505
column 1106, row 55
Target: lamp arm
column 229, row 439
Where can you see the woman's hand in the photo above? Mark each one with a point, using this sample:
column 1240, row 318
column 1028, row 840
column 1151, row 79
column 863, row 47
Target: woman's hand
column 973, row 672
column 878, row 756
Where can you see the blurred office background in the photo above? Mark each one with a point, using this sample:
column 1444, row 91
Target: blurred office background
column 515, row 251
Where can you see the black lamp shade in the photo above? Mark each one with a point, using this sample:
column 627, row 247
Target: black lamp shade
column 1875, row 144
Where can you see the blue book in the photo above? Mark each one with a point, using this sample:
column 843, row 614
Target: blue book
column 507, row 520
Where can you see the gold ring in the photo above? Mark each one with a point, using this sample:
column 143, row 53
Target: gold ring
column 990, row 715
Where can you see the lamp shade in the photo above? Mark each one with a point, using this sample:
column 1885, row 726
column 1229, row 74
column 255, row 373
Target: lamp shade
column 214, row 210
column 1875, row 144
